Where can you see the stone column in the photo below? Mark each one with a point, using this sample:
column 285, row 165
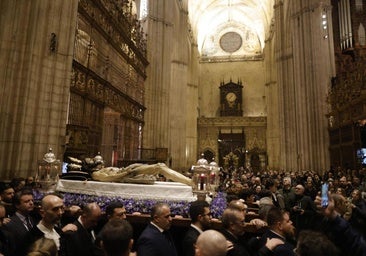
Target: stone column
column 305, row 65
column 159, row 28
column 36, row 49
column 170, row 118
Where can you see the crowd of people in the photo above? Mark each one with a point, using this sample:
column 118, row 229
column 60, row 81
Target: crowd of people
column 49, row 229
column 286, row 205
column 297, row 194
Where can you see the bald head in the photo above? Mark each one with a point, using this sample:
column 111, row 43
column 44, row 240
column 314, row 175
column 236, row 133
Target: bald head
column 49, row 201
column 52, row 208
column 237, row 204
column 91, row 208
column 211, row 243
column 299, row 189
column 91, row 215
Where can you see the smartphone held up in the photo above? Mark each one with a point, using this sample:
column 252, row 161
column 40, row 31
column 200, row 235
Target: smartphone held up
column 324, row 194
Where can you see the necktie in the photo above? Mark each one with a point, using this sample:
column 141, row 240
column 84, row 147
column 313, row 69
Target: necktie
column 274, row 197
column 28, row 223
column 93, row 235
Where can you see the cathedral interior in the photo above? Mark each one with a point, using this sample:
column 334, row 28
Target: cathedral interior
column 270, row 84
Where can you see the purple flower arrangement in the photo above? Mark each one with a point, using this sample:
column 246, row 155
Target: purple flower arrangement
column 218, row 203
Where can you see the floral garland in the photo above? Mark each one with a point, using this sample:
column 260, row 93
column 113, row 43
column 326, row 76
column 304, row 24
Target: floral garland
column 218, row 203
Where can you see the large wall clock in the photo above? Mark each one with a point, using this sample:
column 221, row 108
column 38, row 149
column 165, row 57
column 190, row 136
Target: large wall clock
column 231, row 99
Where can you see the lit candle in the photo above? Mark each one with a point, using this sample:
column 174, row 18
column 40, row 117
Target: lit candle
column 202, row 181
column 48, row 172
column 212, row 178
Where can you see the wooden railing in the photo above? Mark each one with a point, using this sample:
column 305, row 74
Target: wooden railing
column 183, row 223
column 180, row 225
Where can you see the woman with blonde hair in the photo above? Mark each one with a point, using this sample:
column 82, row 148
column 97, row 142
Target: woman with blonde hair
column 342, row 205
column 43, row 247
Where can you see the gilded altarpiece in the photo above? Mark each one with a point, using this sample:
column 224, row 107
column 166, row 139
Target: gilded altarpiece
column 106, row 110
column 347, row 93
column 347, row 98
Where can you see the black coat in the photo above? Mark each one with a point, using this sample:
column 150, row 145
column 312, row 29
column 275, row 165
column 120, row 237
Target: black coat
column 189, row 240
column 18, row 234
column 80, row 242
column 240, row 248
column 286, row 249
column 152, row 242
column 303, row 220
column 5, row 246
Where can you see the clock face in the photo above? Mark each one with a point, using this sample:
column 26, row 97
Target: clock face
column 230, row 97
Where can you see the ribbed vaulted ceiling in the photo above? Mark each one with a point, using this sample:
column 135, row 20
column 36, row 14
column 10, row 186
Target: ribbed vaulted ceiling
column 249, row 18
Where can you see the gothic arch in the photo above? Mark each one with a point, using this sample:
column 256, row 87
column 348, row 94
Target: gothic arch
column 209, row 154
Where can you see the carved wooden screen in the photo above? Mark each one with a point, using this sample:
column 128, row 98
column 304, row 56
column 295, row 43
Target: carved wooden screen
column 121, row 138
column 231, row 149
column 111, row 137
column 131, row 138
column 84, row 127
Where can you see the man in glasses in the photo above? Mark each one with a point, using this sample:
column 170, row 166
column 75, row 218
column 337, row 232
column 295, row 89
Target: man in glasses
column 200, row 214
column 233, row 223
column 239, row 205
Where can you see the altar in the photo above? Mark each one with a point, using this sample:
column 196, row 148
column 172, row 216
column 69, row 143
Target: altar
column 138, row 193
column 171, row 191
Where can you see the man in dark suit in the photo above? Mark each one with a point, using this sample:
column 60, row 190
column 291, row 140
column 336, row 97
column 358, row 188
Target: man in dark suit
column 200, row 214
column 21, row 222
column 156, row 240
column 5, row 248
column 82, row 241
column 233, row 223
column 280, row 226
